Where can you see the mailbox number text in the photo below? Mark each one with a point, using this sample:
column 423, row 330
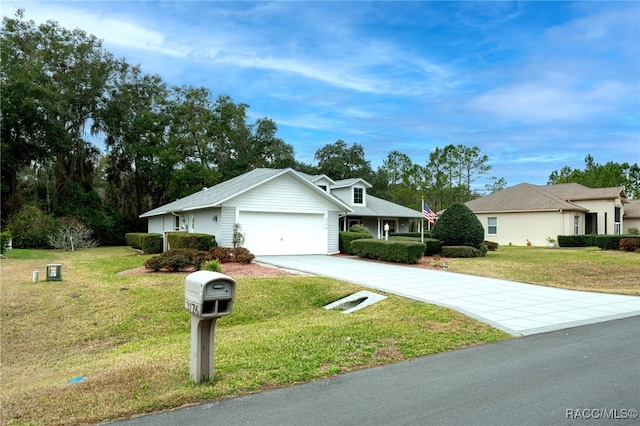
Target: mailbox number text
column 192, row 308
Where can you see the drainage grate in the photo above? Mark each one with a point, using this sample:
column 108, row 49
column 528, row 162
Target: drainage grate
column 350, row 305
column 355, row 302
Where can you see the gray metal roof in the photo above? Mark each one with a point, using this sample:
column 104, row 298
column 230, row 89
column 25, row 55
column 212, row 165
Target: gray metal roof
column 218, row 194
column 378, row 207
column 349, row 182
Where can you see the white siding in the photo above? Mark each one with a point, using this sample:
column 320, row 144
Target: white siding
column 333, row 236
column 287, row 196
column 155, row 225
column 284, row 194
column 227, row 221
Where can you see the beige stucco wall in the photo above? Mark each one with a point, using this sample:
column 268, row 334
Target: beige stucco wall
column 630, row 223
column 517, row 228
column 605, row 206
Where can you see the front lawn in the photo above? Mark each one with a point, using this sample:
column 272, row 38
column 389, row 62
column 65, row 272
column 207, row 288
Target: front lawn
column 589, row 269
column 125, row 338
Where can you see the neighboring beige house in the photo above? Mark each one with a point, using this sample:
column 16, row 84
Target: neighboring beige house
column 631, row 215
column 534, row 213
column 281, row 211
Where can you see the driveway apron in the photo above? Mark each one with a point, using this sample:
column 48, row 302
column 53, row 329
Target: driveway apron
column 517, row 308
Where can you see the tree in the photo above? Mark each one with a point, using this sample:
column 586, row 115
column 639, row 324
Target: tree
column 51, row 81
column 341, row 162
column 458, row 226
column 495, row 185
column 597, row 175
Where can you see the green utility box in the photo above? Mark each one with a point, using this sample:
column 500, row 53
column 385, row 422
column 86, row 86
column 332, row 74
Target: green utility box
column 54, row 272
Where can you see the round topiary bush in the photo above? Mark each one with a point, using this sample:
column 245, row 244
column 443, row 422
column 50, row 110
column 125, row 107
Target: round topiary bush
column 458, row 226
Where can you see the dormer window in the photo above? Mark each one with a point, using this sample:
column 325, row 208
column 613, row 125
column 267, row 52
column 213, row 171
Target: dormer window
column 324, row 187
column 358, row 196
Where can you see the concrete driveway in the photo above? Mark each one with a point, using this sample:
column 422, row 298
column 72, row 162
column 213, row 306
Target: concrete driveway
column 517, row 308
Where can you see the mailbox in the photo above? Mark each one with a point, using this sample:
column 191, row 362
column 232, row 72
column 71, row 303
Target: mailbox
column 209, row 294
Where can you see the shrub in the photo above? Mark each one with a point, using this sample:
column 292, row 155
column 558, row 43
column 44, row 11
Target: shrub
column 176, row 260
column 31, row 228
column 390, row 251
column 609, row 242
column 361, row 229
column 461, row 251
column 347, row 237
column 427, row 234
column 491, row 246
column 633, row 231
column 173, row 260
column 577, row 240
column 458, row 226
column 238, row 236
column 148, row 243
column 71, row 235
column 184, row 240
column 242, row 255
column 221, row 254
column 5, row 237
column 212, row 265
column 630, row 244
column 432, row 246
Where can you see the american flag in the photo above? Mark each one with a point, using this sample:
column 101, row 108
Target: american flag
column 428, row 214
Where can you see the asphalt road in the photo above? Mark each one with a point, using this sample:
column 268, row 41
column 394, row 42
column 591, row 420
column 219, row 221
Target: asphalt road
column 588, row 375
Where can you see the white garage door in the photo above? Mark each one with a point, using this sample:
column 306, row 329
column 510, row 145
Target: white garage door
column 283, row 233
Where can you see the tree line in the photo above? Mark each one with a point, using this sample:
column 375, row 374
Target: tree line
column 62, row 91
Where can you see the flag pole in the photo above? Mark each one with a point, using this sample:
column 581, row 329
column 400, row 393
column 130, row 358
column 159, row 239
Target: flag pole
column 422, row 221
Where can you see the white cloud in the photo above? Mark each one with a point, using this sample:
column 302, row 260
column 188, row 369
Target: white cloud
column 113, row 29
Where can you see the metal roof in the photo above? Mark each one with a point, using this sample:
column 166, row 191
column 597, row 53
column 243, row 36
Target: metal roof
column 218, row 194
column 378, row 207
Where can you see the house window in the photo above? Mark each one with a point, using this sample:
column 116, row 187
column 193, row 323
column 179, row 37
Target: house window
column 492, row 225
column 357, row 196
column 576, row 225
column 324, row 187
column 617, row 225
column 177, row 223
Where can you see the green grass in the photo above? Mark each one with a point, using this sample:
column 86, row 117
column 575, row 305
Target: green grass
column 589, row 269
column 129, row 336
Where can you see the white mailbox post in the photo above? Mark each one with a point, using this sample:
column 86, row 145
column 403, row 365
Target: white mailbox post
column 207, row 297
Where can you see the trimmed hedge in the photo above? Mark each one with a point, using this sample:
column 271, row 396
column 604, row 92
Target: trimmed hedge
column 432, row 245
column 462, row 251
column 347, row 237
column 148, row 243
column 577, row 240
column 427, row 234
column 390, row 251
column 180, row 240
column 610, row 242
column 605, row 242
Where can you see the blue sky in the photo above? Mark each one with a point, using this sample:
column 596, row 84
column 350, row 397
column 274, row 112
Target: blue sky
column 536, row 85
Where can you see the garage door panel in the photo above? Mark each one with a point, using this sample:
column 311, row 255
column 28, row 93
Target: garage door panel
column 283, row 233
